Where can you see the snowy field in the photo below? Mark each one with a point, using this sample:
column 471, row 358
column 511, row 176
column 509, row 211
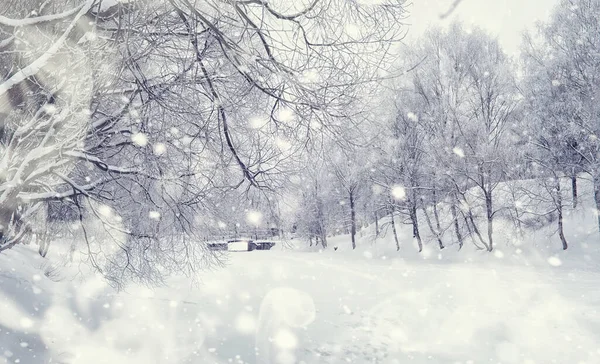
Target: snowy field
column 284, row 306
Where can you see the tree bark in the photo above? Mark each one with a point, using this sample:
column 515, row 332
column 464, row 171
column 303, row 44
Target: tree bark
column 490, row 220
column 574, row 188
column 477, row 232
column 559, row 209
column 394, row 229
column 324, row 240
column 436, row 214
column 352, row 220
column 459, row 236
column 376, row 224
column 433, row 230
column 415, row 224
column 597, row 196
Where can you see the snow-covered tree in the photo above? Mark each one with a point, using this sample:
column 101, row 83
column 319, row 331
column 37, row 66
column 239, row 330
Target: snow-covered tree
column 124, row 109
column 562, row 68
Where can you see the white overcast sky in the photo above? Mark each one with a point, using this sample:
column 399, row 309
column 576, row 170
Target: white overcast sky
column 506, row 19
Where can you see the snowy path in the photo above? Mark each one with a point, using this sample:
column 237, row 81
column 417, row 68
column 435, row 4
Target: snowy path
column 430, row 312
column 290, row 307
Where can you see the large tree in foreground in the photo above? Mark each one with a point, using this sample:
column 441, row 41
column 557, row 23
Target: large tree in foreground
column 139, row 115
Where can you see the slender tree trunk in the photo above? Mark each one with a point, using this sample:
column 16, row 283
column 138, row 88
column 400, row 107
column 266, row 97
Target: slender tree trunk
column 471, row 233
column 310, row 240
column 459, row 236
column 559, row 209
column 376, row 224
column 436, row 214
column 352, row 220
column 44, row 242
column 321, row 233
column 435, row 232
column 517, row 215
column 477, row 232
column 574, row 188
column 597, row 196
column 394, row 229
column 490, row 220
column 415, row 224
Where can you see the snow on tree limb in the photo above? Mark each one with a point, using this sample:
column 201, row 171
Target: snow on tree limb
column 33, row 68
column 5, row 21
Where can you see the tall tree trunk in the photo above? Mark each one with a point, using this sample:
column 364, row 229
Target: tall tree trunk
column 471, row 232
column 394, row 228
column 456, row 225
column 490, row 220
column 559, row 209
column 574, row 188
column 436, row 214
column 517, row 214
column 597, row 196
column 477, row 232
column 435, row 232
column 352, row 220
column 321, row 233
column 415, row 224
column 376, row 224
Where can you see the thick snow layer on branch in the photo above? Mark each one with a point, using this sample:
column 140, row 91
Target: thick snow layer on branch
column 39, row 63
column 38, row 19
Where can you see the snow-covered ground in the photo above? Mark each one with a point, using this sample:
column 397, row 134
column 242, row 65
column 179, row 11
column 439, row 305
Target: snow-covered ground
column 285, row 306
column 527, row 302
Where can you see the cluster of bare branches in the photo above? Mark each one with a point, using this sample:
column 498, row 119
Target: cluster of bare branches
column 139, row 116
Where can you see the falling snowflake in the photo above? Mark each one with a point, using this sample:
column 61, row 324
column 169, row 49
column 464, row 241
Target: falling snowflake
column 412, row 116
column 398, row 192
column 459, row 152
column 554, row 261
column 285, row 115
column 105, row 211
column 258, row 122
column 254, row 217
column 50, row 109
column 154, row 215
column 139, row 139
column 310, row 76
column 285, row 339
column 26, row 322
column 283, row 144
column 555, row 83
column 159, row 149
column 186, row 140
